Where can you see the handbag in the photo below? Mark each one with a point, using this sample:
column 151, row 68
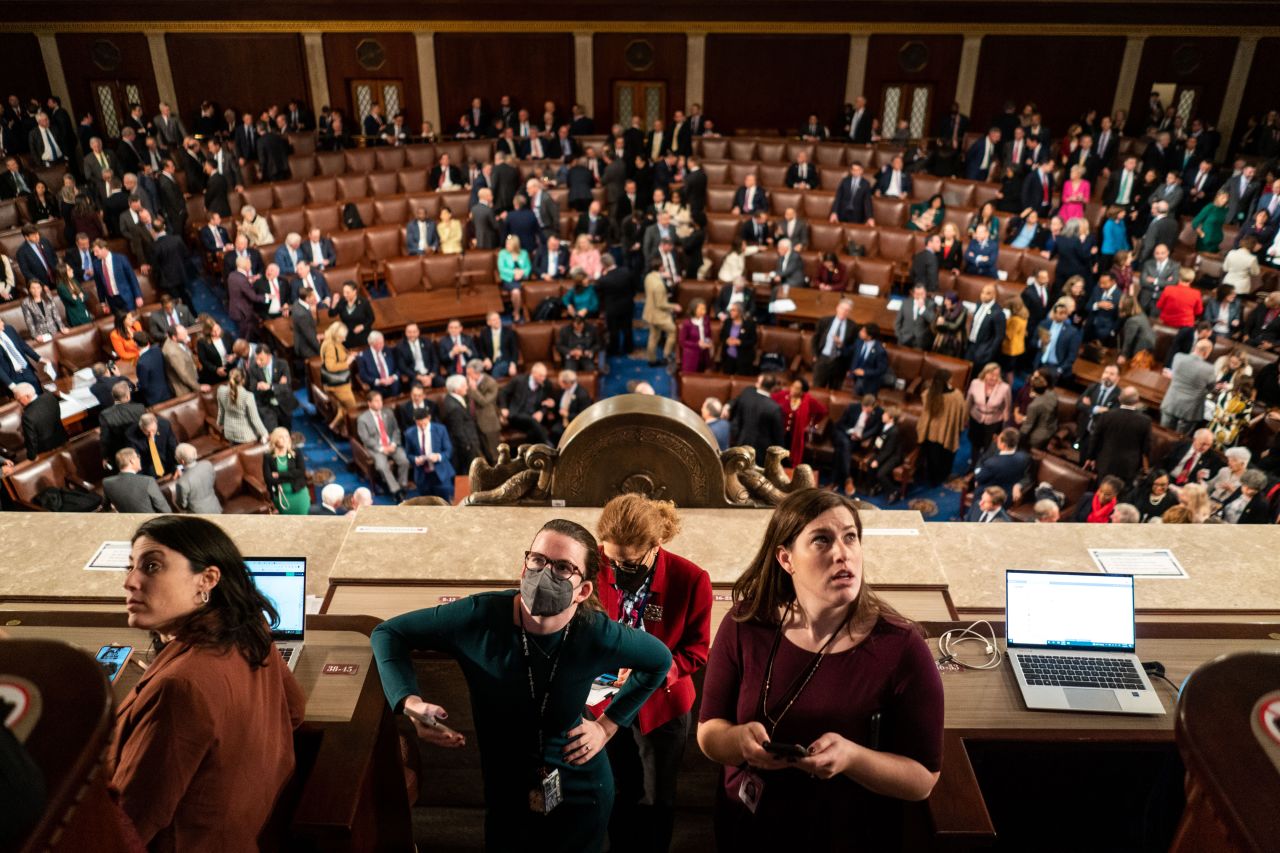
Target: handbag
column 335, row 377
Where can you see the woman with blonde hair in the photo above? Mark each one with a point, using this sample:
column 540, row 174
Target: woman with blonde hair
column 802, row 673
column 335, row 371
column 1194, row 498
column 238, row 411
column 585, row 257
column 254, row 227
column 1014, row 345
column 643, row 585
column 990, row 400
column 286, row 474
column 449, row 231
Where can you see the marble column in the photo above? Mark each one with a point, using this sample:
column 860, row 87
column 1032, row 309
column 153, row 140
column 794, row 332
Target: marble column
column 164, row 74
column 695, row 68
column 584, row 71
column 1235, row 91
column 426, row 45
column 317, row 72
column 856, row 76
column 967, row 74
column 1127, row 79
column 53, row 69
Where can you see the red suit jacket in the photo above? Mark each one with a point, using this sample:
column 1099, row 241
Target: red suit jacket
column 678, row 613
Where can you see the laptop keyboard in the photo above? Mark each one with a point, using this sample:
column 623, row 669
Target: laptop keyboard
column 286, row 652
column 1058, row 671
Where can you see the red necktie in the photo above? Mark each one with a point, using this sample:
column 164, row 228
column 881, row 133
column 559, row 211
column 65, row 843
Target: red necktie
column 1044, row 182
column 1185, row 473
column 217, row 237
column 382, row 429
column 111, row 281
column 382, row 365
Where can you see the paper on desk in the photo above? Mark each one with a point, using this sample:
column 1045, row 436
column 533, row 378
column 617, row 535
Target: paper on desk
column 868, row 290
column 314, row 603
column 83, row 376
column 759, row 278
column 781, row 306
column 50, row 371
column 83, row 396
column 111, row 556
column 1143, row 562
column 599, row 693
column 894, row 303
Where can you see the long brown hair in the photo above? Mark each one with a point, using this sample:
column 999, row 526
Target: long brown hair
column 765, row 589
column 939, row 386
column 591, row 567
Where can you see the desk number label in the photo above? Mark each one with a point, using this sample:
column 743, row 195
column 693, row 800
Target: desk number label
column 341, row 668
column 446, row 599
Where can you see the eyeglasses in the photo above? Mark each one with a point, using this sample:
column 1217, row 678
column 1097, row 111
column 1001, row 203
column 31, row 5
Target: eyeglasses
column 563, row 569
column 630, row 566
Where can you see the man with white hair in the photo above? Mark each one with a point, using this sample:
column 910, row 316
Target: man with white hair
column 288, row 255
column 456, row 416
column 544, row 207
column 331, row 497
column 1125, row 514
column 790, row 268
column 380, row 434
column 196, row 481
column 1048, row 512
column 1191, row 379
column 319, row 250
column 361, row 497
column 572, row 400
column 41, row 420
column 130, row 490
column 1162, row 231
column 377, row 366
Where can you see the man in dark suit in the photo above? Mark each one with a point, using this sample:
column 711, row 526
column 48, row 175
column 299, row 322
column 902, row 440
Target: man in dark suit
column 273, row 155
column 454, row 349
column 755, row 420
column 215, row 191
column 416, row 359
column 16, row 359
column 989, row 507
column 894, row 181
column 857, row 428
column 1193, row 461
column 1160, row 155
column 1085, row 158
column 455, row 415
column 172, row 313
column 1201, row 186
column 1061, row 342
column 498, row 347
column 152, row 437
column 853, row 199
column 41, row 420
column 580, row 183
column 1107, row 145
column 16, row 180
column 886, row 452
column 986, row 333
column 169, row 260
column 173, row 204
column 1037, row 190
column 42, row 144
column 834, row 343
column 274, row 291
column 860, row 126
column 106, row 376
column 153, row 379
column 1124, row 185
column 571, row 401
column 528, row 403
column 1101, row 396
column 695, row 190
column 982, row 156
column 1118, row 443
column 749, row 198
column 550, row 261
column 924, row 264
column 37, row 259
column 802, row 174
column 118, row 288
column 302, row 319
column 130, row 490
column 1163, row 231
column 214, row 237
column 377, row 367
column 268, row 378
column 1242, row 191
column 1005, row 465
column 953, row 127
column 116, row 420
column 595, row 225
column 580, row 124
column 544, row 207
column 870, row 361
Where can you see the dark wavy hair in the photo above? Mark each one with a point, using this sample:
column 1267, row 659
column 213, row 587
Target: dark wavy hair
column 591, row 569
column 765, row 588
column 234, row 614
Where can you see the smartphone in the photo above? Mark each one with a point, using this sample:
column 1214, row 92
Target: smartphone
column 789, row 751
column 430, row 722
column 606, row 679
column 113, row 659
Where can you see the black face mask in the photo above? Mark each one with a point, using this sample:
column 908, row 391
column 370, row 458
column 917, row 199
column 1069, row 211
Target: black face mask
column 630, row 577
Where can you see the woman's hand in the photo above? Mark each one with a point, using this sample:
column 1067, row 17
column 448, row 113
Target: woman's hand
column 428, row 733
column 829, row 755
column 750, row 739
column 588, row 740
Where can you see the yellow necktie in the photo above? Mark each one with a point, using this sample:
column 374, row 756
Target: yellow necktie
column 102, row 161
column 155, row 456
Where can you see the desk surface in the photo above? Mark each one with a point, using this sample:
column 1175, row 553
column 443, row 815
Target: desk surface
column 45, row 553
column 430, row 309
column 484, row 543
column 813, row 305
column 1228, row 567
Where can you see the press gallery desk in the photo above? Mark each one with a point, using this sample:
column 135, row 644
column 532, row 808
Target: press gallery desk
column 348, row 791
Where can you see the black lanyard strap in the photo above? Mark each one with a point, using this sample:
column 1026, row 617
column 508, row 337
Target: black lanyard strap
column 533, row 691
column 801, row 681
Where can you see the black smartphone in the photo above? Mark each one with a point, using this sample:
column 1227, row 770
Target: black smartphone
column 789, row 751
column 113, row 659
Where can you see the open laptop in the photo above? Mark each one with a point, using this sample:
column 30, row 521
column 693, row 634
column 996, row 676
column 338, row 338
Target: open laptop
column 283, row 580
column 1070, row 640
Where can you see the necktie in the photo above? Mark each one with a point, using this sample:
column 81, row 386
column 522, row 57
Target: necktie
column 382, row 429
column 102, row 160
column 22, row 184
column 426, row 446
column 155, row 456
column 986, row 518
column 40, row 255
column 53, row 152
column 461, row 364
column 266, row 371
column 382, row 366
column 19, row 363
column 110, row 276
column 1123, row 196
column 85, row 262
column 173, row 318
column 1044, row 182
column 1185, row 473
column 217, row 237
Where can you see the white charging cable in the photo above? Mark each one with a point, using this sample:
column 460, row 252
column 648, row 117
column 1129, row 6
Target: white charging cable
column 950, row 641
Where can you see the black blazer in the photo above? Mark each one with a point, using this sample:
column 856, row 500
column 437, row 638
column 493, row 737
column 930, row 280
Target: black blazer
column 755, row 420
column 1257, row 511
column 506, row 341
column 166, row 443
column 295, row 473
column 889, row 454
column 520, row 399
column 1209, row 462
column 42, row 425
column 404, row 359
column 744, row 364
column 210, row 361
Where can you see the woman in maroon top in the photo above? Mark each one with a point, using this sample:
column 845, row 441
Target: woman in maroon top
column 811, row 660
column 644, row 586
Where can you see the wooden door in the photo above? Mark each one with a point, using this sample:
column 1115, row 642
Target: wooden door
column 909, row 102
column 644, row 98
column 111, row 100
column 387, row 93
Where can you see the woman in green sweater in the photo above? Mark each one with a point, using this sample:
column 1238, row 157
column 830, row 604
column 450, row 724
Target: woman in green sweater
column 1208, row 224
column 529, row 659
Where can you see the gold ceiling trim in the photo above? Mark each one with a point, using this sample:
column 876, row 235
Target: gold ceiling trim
column 695, row 27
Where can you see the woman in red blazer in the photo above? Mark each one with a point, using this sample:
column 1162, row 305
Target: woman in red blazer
column 644, row 586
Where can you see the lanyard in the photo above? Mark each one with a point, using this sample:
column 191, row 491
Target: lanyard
column 533, row 691
column 801, row 681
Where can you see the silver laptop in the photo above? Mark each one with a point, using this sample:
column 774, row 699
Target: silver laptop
column 283, row 580
column 1071, row 642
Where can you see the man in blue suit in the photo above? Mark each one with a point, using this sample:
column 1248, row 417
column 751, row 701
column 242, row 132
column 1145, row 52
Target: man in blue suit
column 429, row 450
column 307, row 277
column 289, row 254
column 37, row 259
column 16, row 356
column 377, row 367
column 870, row 361
column 1060, row 341
column 1005, row 467
column 989, row 507
column 982, row 155
column 420, row 235
column 153, row 383
column 118, row 288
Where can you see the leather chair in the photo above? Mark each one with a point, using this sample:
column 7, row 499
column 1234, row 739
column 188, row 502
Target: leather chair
column 479, row 266
column 959, row 217
column 456, row 150
column 817, row 205
column 383, row 242
column 55, row 469
column 459, row 201
column 440, row 271
column 10, row 217
column 285, row 222
column 714, row 149
column 428, row 201
column 829, row 179
column 85, row 450
column 924, row 186
column 738, row 172
column 863, row 154
column 720, row 199
column 907, row 365
column 352, row 186
column 412, row 179
column 365, row 208
column 11, row 438
column 958, row 193
column 687, row 291
column 348, row 246
column 186, row 414
column 722, row 228
column 825, row 237
column 877, row 271
column 321, row 189
column 1069, row 479
column 325, row 215
column 1010, row 261
column 391, row 211
column 384, row 183
column 302, row 166
column 957, row 367
column 771, row 152
column 1033, row 262
column 536, row 342
column 970, row 287
column 897, row 244
column 780, row 200
column 259, row 196
column 388, row 159
column 773, row 175
column 1164, row 340
column 79, row 348
column 336, row 275
column 782, row 341
column 289, row 194
column 422, row 156
column 11, row 313
column 717, row 173
column 330, row 163
column 480, row 151
column 404, row 275
column 985, row 192
column 793, row 150
column 238, row 480
column 742, row 149
column 889, row 211
column 695, row 388
column 362, row 160
column 866, row 236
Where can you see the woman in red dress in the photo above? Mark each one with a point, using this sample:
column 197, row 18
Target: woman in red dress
column 799, row 412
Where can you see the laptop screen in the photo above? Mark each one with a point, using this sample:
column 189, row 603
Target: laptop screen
column 283, row 580
column 1069, row 611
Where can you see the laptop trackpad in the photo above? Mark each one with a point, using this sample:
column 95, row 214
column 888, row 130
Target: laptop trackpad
column 1088, row 699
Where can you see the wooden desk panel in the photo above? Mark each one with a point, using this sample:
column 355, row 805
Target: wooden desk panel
column 431, row 309
column 813, row 305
